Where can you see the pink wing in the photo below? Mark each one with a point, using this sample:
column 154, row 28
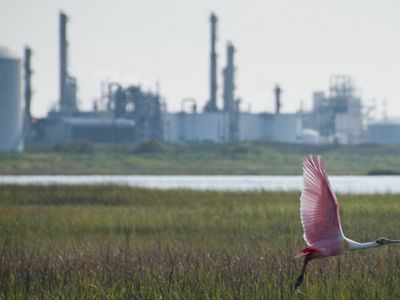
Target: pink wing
column 319, row 208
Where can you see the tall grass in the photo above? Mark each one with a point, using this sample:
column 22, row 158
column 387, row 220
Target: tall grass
column 118, row 242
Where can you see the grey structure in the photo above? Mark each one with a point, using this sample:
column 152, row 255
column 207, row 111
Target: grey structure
column 28, row 128
column 212, row 103
column 133, row 115
column 231, row 105
column 143, row 108
column 337, row 117
column 214, row 127
column 229, row 79
column 277, row 92
column 68, row 83
column 129, row 114
column 28, row 84
column 383, row 132
column 11, row 113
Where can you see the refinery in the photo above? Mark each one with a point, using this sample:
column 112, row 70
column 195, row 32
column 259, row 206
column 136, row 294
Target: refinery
column 130, row 114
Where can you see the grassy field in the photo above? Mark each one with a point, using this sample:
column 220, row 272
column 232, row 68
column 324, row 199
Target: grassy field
column 124, row 243
column 199, row 159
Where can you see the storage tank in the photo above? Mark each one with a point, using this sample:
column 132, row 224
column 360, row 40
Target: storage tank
column 11, row 110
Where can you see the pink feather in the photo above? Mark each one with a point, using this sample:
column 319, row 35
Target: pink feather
column 319, row 211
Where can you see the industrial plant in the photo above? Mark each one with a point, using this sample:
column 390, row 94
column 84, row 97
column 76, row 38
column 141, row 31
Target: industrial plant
column 131, row 114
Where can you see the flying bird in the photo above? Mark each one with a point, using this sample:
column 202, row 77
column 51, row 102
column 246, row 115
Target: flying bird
column 319, row 214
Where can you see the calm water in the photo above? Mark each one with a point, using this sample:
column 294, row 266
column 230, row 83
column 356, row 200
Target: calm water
column 341, row 184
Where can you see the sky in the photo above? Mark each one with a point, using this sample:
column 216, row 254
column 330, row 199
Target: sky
column 297, row 44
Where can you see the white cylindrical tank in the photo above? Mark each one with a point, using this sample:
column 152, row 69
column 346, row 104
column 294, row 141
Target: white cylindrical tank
column 11, row 109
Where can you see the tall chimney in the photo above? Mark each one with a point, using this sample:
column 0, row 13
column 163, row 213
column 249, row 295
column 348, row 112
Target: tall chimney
column 231, row 105
column 64, row 106
column 68, row 85
column 212, row 103
column 28, row 86
column 277, row 92
column 229, row 79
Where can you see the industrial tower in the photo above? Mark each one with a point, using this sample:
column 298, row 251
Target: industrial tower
column 231, row 105
column 277, row 93
column 212, row 102
column 28, row 85
column 67, row 82
column 229, row 79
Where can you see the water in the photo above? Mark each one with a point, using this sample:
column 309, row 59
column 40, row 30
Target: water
column 341, row 184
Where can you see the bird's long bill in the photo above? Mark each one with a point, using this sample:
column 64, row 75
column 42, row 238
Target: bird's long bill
column 393, row 241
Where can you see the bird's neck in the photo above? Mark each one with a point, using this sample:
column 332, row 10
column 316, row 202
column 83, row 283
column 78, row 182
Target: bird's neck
column 353, row 245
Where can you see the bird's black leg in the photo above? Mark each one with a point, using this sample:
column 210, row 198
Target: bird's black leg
column 299, row 280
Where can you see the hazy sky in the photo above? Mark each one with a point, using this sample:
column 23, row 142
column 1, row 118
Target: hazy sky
column 297, row 44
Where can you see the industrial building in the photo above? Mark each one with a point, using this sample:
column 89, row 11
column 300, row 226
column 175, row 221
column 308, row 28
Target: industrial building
column 215, row 126
column 134, row 115
column 130, row 114
column 383, row 132
column 337, row 117
column 228, row 123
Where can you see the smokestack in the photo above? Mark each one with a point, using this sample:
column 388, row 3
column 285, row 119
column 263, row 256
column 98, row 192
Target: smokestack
column 28, row 87
column 229, row 79
column 277, row 92
column 63, row 62
column 68, row 85
column 212, row 103
column 231, row 105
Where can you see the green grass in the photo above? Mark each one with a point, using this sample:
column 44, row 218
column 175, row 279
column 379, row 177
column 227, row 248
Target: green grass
column 125, row 243
column 198, row 159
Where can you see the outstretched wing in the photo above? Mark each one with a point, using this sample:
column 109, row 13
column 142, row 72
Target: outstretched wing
column 319, row 208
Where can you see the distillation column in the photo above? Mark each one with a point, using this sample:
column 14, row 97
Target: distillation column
column 212, row 103
column 231, row 105
column 67, row 83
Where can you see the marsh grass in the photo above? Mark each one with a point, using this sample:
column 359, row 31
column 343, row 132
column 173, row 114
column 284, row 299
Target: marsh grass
column 157, row 158
column 128, row 243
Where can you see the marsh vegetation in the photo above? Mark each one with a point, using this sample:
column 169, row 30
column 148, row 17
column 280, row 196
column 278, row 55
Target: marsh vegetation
column 118, row 242
column 157, row 158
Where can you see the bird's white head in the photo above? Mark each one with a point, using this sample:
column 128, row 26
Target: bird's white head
column 384, row 241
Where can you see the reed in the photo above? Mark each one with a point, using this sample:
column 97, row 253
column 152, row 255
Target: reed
column 126, row 243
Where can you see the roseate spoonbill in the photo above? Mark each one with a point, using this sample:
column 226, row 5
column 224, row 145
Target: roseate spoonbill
column 319, row 214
